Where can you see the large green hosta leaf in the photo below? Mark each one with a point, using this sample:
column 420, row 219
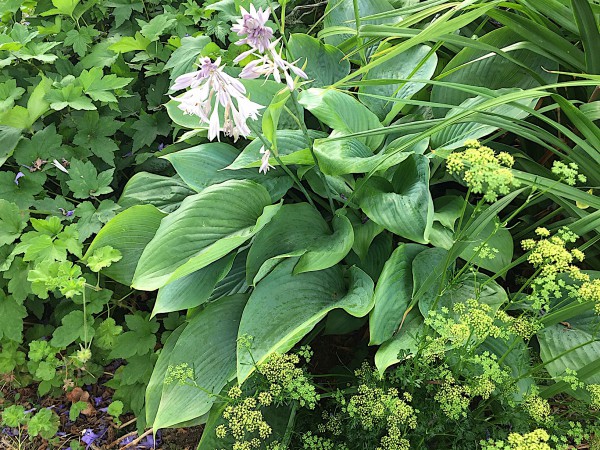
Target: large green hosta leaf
column 205, row 228
column 340, row 13
column 293, row 149
column 448, row 211
column 129, row 232
column 352, row 156
column 393, row 293
column 342, row 112
column 406, row 340
column 404, row 205
column 325, row 64
column 468, row 286
column 471, row 67
column 284, row 307
column 193, row 289
column 574, row 344
column 206, row 164
column 416, row 63
column 166, row 193
column 208, row 345
column 478, row 125
column 299, row 230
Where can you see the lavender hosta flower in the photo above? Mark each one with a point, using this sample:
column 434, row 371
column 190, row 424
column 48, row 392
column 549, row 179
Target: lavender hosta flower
column 59, row 166
column 252, row 26
column 17, row 176
column 272, row 64
column 212, row 88
column 265, row 166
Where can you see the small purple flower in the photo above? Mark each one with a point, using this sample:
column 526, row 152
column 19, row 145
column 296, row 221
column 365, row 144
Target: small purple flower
column 59, row 166
column 66, row 213
column 252, row 25
column 88, row 436
column 126, row 441
column 97, row 400
column 161, row 146
column 19, row 175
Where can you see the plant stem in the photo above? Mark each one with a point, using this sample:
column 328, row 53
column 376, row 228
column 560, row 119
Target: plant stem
column 309, row 141
column 287, row 170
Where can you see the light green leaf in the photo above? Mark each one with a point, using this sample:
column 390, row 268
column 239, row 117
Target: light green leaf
column 284, row 307
column 416, row 63
column 342, row 112
column 216, row 327
column 393, row 294
column 207, row 164
column 129, row 232
column 323, row 63
column 102, row 258
column 193, row 289
column 12, row 222
column 183, row 58
column 404, row 205
column 205, row 228
column 9, row 138
column 11, row 318
column 130, row 44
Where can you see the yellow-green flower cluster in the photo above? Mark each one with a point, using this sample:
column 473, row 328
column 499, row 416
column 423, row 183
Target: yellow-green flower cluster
column 374, row 408
column 537, row 408
column 536, row 440
column 288, row 382
column 482, row 170
column 471, row 321
column 244, row 422
column 181, row 373
column 590, row 291
column 525, row 327
column 551, row 257
column 594, row 390
column 570, row 377
column 454, row 400
column 568, row 173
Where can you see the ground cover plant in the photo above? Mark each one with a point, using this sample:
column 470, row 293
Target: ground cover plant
column 350, row 224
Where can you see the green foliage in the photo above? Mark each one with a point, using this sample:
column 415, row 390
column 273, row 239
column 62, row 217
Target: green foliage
column 357, row 202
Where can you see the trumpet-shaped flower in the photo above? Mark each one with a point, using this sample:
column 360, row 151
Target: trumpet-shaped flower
column 271, row 64
column 265, row 166
column 210, row 89
column 252, row 26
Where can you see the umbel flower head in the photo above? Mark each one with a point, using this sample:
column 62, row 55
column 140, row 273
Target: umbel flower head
column 210, row 89
column 252, row 26
column 484, row 171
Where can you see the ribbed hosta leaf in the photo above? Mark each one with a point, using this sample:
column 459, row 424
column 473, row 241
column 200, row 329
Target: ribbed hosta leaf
column 284, row 307
column 213, row 362
column 205, row 228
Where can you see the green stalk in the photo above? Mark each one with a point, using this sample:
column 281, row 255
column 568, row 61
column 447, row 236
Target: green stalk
column 287, row 170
